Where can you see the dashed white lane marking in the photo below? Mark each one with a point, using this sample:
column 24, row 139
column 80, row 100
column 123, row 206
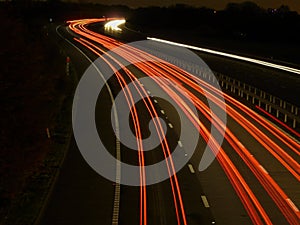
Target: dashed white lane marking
column 292, row 204
column 155, row 100
column 180, row 144
column 204, row 200
column 170, row 125
column 191, row 168
column 162, row 111
column 149, row 92
column 263, row 169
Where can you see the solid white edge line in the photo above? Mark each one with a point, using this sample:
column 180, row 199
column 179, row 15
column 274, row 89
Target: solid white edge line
column 247, row 59
column 116, row 207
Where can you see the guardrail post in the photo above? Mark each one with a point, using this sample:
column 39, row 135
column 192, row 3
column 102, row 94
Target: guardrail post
column 48, row 133
column 283, row 110
column 285, row 118
column 233, row 85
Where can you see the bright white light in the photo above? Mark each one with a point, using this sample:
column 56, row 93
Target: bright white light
column 272, row 65
column 114, row 25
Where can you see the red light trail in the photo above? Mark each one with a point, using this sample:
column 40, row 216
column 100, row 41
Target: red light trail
column 154, row 69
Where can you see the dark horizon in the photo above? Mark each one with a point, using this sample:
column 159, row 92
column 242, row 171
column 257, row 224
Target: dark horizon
column 217, row 5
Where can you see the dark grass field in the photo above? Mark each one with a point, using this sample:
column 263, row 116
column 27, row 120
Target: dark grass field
column 33, row 88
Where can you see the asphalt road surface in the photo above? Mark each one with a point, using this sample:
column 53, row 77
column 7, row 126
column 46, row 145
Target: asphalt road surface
column 253, row 180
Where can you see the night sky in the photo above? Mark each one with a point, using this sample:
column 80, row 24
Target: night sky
column 216, row 4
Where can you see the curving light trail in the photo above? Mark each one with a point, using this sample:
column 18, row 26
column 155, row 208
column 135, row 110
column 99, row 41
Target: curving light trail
column 114, row 24
column 242, row 58
column 166, row 151
column 155, row 69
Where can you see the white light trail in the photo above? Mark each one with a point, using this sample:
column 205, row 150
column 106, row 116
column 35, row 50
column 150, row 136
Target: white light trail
column 256, row 61
column 114, row 24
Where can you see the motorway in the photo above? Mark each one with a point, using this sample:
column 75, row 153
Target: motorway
column 253, row 180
